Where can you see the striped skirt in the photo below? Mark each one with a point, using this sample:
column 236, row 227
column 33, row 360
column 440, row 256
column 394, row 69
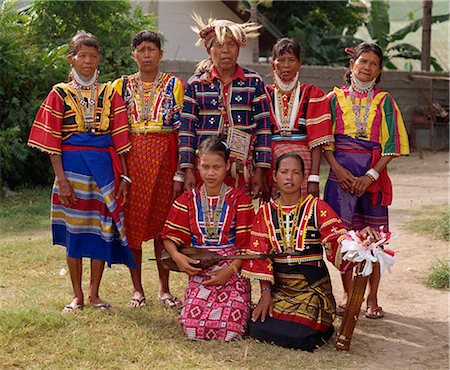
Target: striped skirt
column 93, row 227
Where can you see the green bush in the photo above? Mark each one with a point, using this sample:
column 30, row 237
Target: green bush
column 439, row 276
column 33, row 57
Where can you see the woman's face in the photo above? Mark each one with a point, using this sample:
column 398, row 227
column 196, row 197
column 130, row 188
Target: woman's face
column 289, row 176
column 147, row 56
column 367, row 67
column 286, row 66
column 224, row 56
column 85, row 61
column 213, row 169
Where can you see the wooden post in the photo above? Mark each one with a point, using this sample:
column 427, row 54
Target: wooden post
column 352, row 309
column 426, row 34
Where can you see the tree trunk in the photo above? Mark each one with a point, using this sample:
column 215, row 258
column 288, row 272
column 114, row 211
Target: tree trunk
column 254, row 42
column 426, row 34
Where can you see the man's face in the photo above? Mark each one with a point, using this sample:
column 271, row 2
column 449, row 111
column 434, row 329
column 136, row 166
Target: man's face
column 224, row 56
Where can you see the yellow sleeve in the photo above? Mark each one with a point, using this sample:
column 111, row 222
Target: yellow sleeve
column 178, row 93
column 118, row 86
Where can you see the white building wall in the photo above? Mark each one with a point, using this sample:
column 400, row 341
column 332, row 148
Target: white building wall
column 174, row 22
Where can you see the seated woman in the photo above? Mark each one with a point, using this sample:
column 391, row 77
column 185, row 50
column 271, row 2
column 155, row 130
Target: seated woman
column 297, row 307
column 217, row 218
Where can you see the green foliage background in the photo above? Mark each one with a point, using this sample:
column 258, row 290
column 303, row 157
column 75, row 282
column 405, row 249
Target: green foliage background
column 33, row 57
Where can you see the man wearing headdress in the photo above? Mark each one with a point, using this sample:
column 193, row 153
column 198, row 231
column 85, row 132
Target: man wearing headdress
column 222, row 98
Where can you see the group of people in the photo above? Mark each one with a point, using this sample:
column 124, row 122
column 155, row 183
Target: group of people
column 147, row 157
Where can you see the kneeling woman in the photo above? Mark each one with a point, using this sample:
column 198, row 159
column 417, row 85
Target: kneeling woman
column 217, row 218
column 297, row 307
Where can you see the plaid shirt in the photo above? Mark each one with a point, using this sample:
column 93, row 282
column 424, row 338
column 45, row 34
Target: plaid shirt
column 202, row 115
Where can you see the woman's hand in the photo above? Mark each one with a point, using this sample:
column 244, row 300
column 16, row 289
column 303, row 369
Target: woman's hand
column 122, row 192
column 178, row 188
column 374, row 235
column 361, row 184
column 185, row 264
column 345, row 178
column 259, row 185
column 264, row 306
column 66, row 193
column 313, row 189
column 190, row 181
column 220, row 277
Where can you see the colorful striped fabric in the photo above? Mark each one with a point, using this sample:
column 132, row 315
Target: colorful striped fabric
column 94, row 226
column 384, row 125
column 60, row 117
column 247, row 105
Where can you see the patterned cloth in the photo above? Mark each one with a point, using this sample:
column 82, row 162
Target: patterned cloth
column 304, row 305
column 209, row 107
column 152, row 161
column 213, row 312
column 312, row 127
column 385, row 124
column 93, row 227
column 385, row 132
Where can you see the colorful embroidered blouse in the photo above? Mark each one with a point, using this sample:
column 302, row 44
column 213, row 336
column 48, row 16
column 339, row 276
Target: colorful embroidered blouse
column 61, row 116
column 312, row 119
column 318, row 228
column 165, row 105
column 185, row 224
column 384, row 124
column 209, row 108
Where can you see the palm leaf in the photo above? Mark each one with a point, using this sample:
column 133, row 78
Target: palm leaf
column 379, row 26
column 414, row 26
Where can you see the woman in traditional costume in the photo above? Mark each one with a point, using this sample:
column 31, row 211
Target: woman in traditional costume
column 297, row 307
column 82, row 124
column 213, row 217
column 300, row 113
column 153, row 100
column 369, row 132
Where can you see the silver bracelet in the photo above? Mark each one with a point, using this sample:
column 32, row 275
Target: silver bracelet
column 125, row 178
column 313, row 178
column 373, row 174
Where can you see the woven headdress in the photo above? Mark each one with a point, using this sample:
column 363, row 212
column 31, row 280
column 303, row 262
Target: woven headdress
column 220, row 28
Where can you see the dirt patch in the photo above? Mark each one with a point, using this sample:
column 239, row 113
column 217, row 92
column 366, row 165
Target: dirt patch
column 415, row 330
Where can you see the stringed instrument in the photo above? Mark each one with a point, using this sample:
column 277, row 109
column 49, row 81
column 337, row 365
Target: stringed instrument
column 208, row 258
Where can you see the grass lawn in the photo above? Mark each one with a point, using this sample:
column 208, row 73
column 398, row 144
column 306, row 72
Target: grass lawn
column 34, row 333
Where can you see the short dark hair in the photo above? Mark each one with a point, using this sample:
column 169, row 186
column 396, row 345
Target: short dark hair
column 83, row 38
column 364, row 47
column 289, row 155
column 145, row 35
column 215, row 144
column 287, row 45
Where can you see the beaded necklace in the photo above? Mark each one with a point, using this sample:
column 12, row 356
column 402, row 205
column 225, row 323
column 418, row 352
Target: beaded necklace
column 357, row 85
column 288, row 228
column 146, row 101
column 285, row 87
column 211, row 215
column 88, row 105
column 285, row 117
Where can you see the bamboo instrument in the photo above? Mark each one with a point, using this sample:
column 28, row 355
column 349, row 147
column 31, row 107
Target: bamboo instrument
column 352, row 309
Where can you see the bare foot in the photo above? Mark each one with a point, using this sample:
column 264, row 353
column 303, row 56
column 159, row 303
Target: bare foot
column 99, row 303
